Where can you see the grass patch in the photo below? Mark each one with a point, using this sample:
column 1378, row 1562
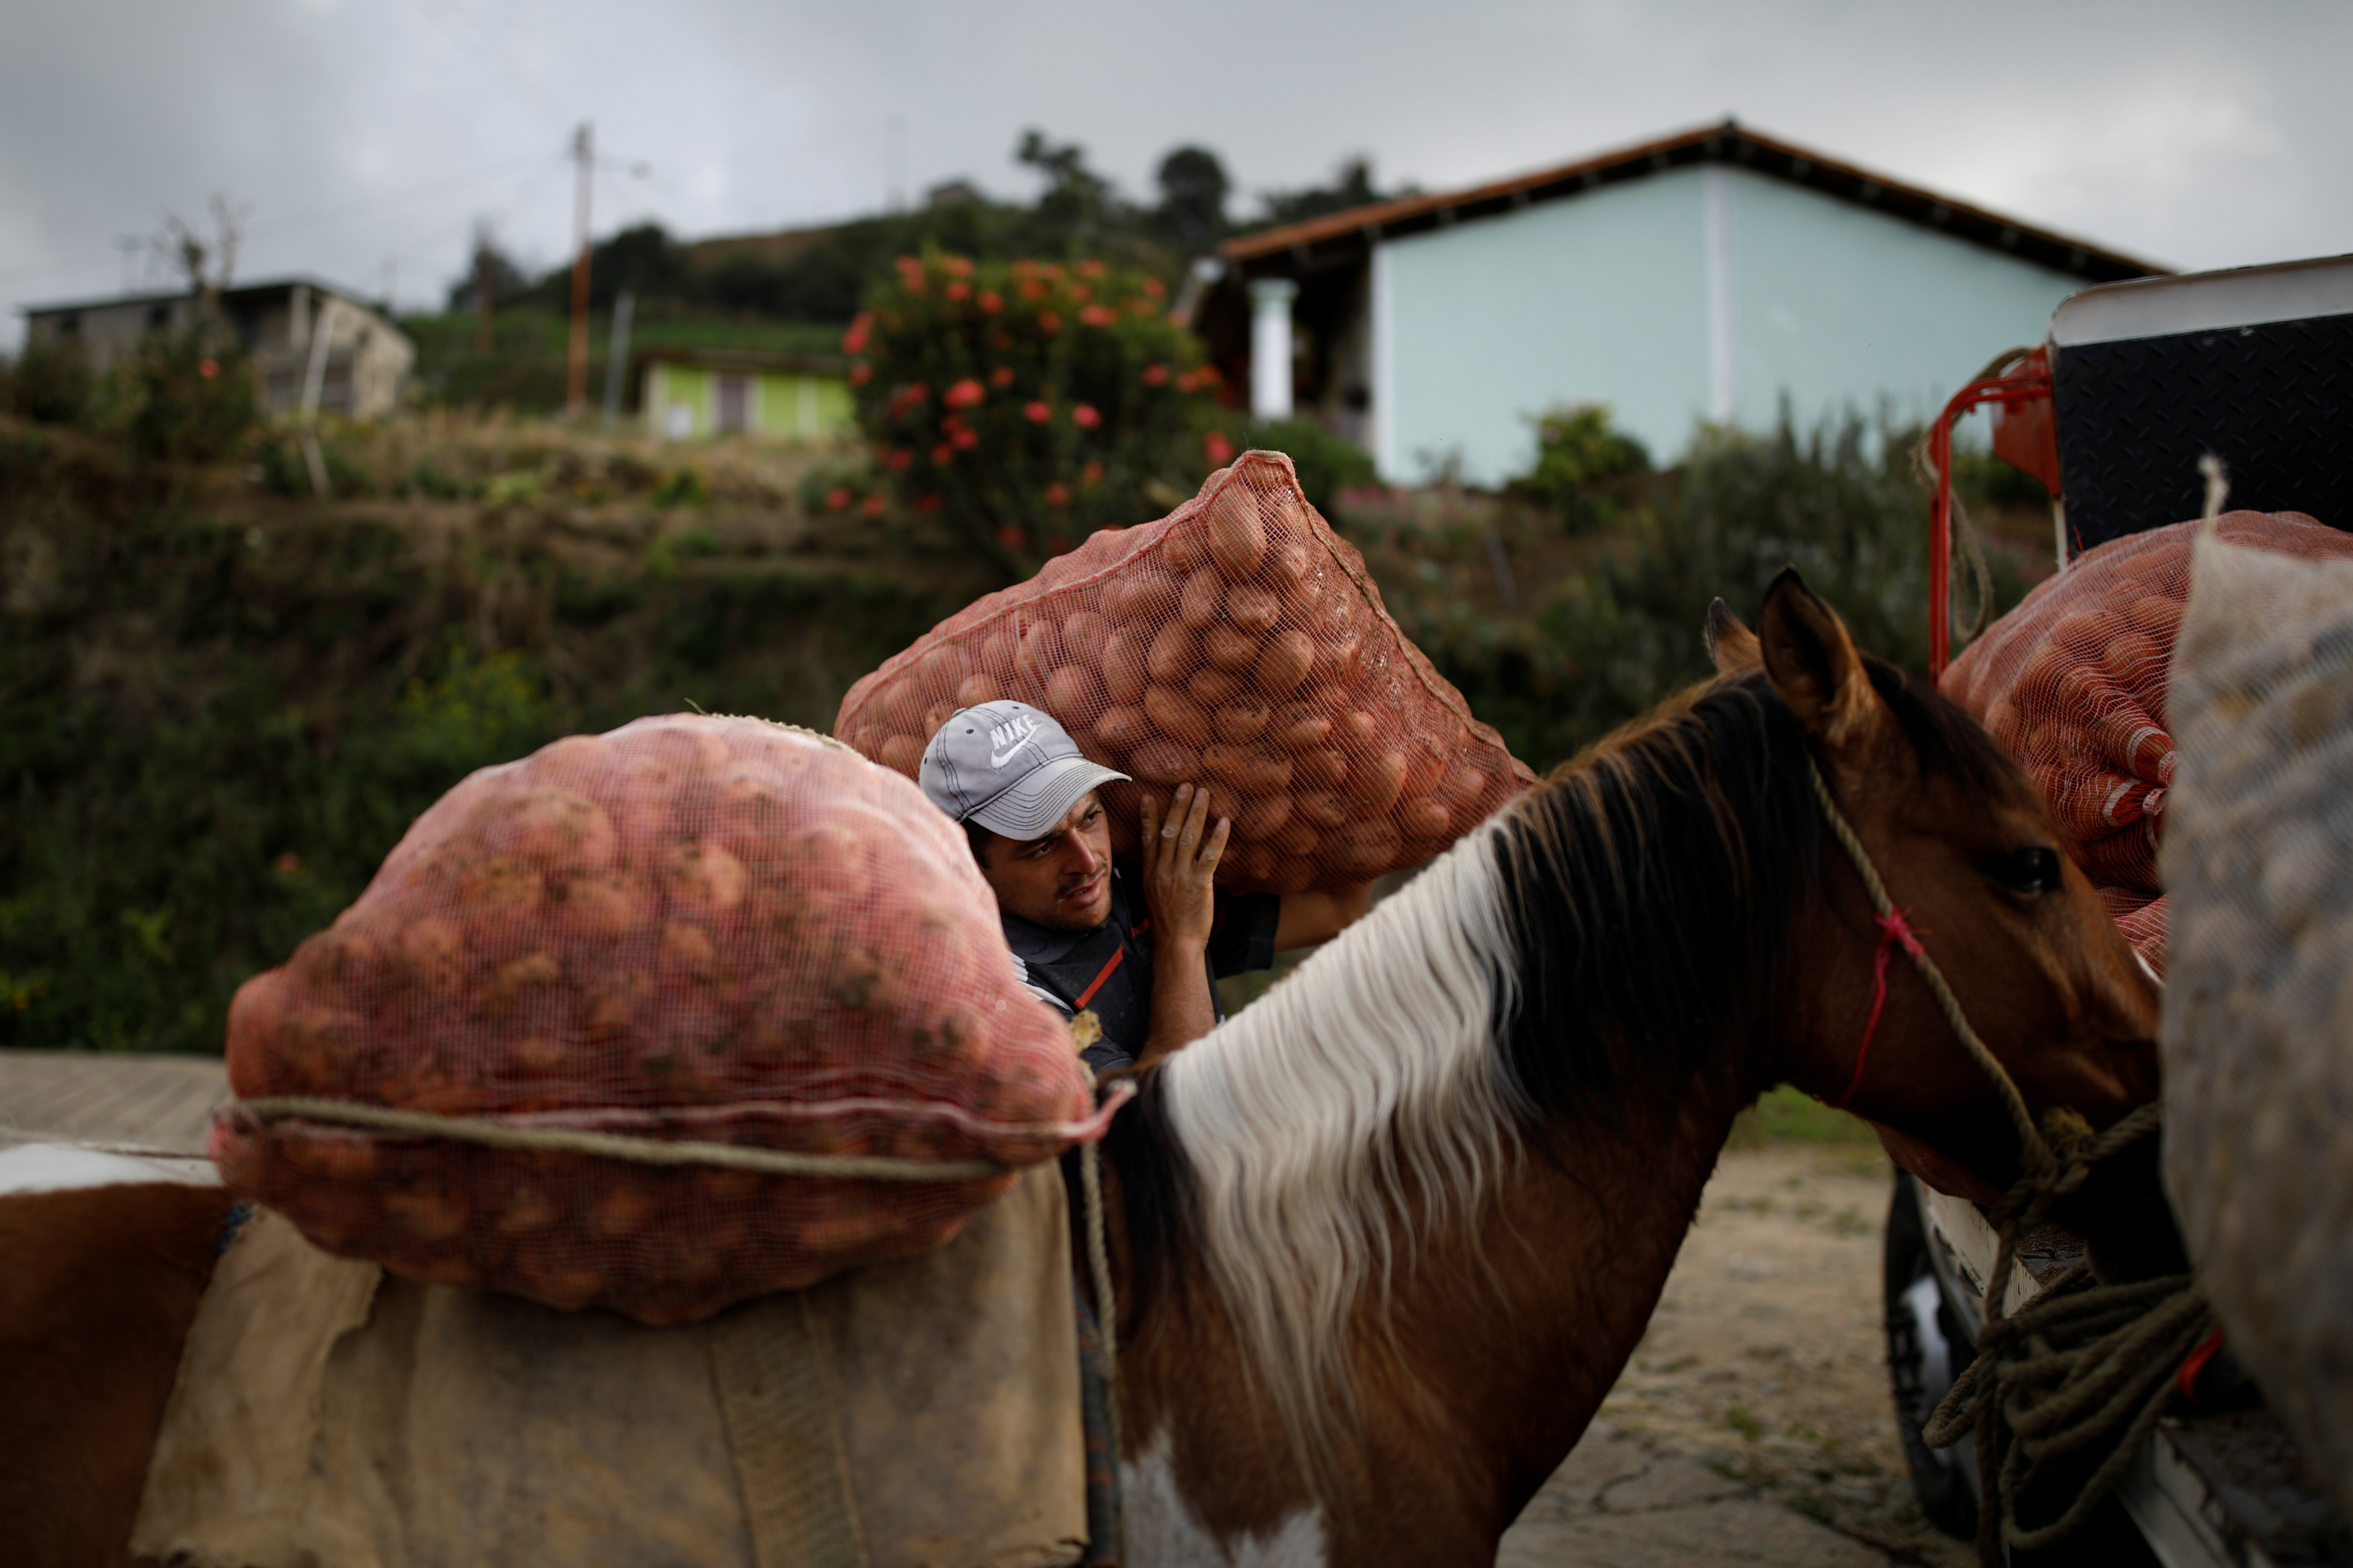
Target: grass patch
column 1786, row 1115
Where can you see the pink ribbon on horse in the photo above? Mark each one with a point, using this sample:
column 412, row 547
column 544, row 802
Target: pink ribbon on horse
column 1892, row 929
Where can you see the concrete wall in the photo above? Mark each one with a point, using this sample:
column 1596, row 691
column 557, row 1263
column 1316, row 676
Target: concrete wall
column 1707, row 292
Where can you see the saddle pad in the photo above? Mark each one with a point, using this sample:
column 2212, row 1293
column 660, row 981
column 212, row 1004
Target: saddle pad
column 327, row 1412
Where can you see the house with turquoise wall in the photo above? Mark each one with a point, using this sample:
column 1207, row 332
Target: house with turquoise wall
column 1714, row 276
column 695, row 394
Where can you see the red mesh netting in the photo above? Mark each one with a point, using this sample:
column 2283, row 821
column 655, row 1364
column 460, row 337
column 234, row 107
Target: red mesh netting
column 704, row 928
column 1240, row 644
column 2073, row 685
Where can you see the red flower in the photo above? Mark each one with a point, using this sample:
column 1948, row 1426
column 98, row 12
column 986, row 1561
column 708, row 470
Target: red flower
column 959, row 289
column 1084, row 417
column 208, row 368
column 916, row 393
column 1058, row 494
column 1090, row 267
column 1080, row 291
column 992, row 301
column 1011, row 537
column 1208, row 374
column 952, row 424
column 1058, row 544
column 965, row 439
column 964, row 394
column 873, row 507
column 1002, row 340
column 929, row 503
column 1038, row 412
column 1217, row 448
column 1091, row 473
column 1156, row 375
column 1098, row 316
column 861, row 374
column 837, row 499
column 1001, row 376
column 901, row 459
column 1154, row 287
column 943, row 453
column 1032, row 289
column 1187, row 382
column 1049, row 323
column 861, row 327
column 910, row 271
column 288, row 863
column 959, row 265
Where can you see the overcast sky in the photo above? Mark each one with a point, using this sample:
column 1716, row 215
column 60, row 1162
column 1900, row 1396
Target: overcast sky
column 363, row 141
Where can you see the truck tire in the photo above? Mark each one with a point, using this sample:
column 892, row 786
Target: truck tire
column 1927, row 1347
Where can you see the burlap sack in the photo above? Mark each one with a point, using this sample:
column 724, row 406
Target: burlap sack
column 1237, row 643
column 2258, row 1031
column 327, row 1413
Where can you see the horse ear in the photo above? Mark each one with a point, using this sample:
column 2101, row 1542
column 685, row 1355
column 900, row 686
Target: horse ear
column 1813, row 664
column 1730, row 642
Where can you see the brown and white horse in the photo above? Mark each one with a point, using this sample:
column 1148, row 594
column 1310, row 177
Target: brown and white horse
column 1382, row 1243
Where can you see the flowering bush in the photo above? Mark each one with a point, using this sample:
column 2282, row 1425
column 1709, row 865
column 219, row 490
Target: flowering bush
column 1029, row 403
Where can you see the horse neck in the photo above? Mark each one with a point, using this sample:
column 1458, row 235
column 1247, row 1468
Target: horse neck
column 1361, row 1243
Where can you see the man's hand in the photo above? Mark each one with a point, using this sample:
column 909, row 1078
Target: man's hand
column 1180, row 861
column 1310, row 918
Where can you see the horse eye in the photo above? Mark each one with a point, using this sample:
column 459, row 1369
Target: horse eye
column 2027, row 871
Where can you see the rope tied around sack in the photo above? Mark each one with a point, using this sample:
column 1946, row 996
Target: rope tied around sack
column 2083, row 1365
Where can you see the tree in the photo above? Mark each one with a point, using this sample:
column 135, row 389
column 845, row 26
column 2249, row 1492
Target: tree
column 1075, row 194
column 1193, row 191
column 1351, row 187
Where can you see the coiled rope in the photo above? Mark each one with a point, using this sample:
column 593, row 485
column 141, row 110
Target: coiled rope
column 2082, row 1368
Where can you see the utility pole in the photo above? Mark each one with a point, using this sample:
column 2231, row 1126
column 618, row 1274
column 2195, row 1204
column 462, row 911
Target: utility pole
column 484, row 289
column 576, row 379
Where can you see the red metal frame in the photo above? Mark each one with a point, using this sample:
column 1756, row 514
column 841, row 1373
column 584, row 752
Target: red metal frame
column 2023, row 381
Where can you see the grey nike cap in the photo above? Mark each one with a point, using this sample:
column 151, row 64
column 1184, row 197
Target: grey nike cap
column 1010, row 767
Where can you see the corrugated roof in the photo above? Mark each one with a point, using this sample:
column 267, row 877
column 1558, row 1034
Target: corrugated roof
column 234, row 291
column 1324, row 242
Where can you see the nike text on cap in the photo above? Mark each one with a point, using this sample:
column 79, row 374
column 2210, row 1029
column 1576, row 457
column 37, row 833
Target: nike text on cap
column 1010, row 767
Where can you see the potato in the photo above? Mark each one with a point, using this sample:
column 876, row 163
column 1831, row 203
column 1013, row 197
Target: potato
column 1253, row 770
column 1084, row 633
column 1320, row 767
column 432, row 955
column 1074, row 695
column 902, row 704
column 997, row 655
column 1261, row 816
column 935, row 717
column 705, row 879
column 1340, row 662
column 543, row 827
column 431, row 1214
column 1175, row 653
column 1357, row 731
column 1040, row 651
column 1298, row 725
column 328, row 1156
column 1465, row 783
column 1364, row 850
column 902, row 753
column 1253, row 608
column 1161, row 760
column 1176, row 714
column 1252, row 862
column 1423, row 817
column 1295, row 838
column 1124, row 666
column 1212, row 686
column 1375, row 781
column 1323, row 808
column 977, row 689
column 1231, row 647
column 942, row 670
column 1142, row 594
column 1284, row 662
column 1237, row 537
column 1238, row 721
column 1205, row 598
column 1184, row 549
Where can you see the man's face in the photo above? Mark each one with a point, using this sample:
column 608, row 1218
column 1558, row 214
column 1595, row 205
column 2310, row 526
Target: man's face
column 1061, row 881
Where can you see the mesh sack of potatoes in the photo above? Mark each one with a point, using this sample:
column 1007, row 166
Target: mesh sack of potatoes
column 665, row 964
column 2072, row 684
column 1238, row 643
column 2257, row 1040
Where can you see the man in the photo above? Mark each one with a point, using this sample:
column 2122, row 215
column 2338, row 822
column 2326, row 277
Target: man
column 1027, row 801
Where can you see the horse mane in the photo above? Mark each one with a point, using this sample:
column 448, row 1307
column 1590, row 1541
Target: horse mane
column 1611, row 928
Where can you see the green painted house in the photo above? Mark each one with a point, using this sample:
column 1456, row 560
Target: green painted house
column 696, row 395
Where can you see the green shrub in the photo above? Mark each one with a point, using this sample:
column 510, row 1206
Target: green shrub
column 188, row 395
column 50, row 384
column 1581, row 462
column 1028, row 403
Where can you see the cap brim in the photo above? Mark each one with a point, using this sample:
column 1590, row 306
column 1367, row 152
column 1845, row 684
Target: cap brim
column 1044, row 796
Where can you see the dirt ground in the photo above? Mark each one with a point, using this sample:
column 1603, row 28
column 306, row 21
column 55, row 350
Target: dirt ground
column 1753, row 1425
